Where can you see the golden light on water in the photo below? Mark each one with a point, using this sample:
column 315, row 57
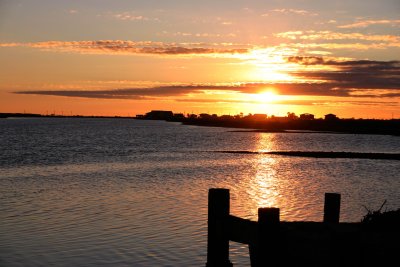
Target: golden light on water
column 271, row 183
column 264, row 187
column 261, row 187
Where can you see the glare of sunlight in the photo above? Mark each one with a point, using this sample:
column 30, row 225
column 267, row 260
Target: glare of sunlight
column 267, row 96
column 269, row 64
column 263, row 186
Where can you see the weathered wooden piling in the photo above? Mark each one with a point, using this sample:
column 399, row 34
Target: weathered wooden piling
column 266, row 251
column 269, row 239
column 217, row 239
column 332, row 208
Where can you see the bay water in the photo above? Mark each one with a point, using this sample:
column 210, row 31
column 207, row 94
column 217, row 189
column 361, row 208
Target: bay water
column 123, row 192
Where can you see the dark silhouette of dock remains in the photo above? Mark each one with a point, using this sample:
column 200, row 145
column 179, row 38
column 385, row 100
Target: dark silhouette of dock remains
column 277, row 243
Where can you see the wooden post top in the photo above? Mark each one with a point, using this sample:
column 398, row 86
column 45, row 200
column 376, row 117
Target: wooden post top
column 268, row 215
column 332, row 208
column 218, row 190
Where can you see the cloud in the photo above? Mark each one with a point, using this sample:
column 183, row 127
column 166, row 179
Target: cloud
column 341, row 46
column 194, row 93
column 366, row 23
column 354, row 78
column 291, row 11
column 329, row 35
column 294, row 102
column 139, row 92
column 236, row 101
column 320, row 60
column 165, row 92
column 306, row 60
column 133, row 93
column 10, row 44
column 131, row 47
column 329, row 77
column 290, row 34
column 226, row 23
column 330, row 40
column 358, row 79
column 128, row 16
column 197, row 35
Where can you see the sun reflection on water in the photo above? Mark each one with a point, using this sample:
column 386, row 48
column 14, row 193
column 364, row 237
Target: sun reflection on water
column 265, row 142
column 263, row 186
column 260, row 187
column 276, row 181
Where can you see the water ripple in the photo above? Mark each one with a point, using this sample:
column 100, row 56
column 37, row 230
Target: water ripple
column 122, row 193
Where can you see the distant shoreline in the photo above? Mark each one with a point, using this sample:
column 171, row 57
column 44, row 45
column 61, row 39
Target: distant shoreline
column 33, row 115
column 310, row 132
column 320, row 126
column 319, row 154
column 305, row 123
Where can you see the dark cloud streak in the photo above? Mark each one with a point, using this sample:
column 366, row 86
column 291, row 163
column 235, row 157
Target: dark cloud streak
column 362, row 79
column 131, row 47
column 357, row 74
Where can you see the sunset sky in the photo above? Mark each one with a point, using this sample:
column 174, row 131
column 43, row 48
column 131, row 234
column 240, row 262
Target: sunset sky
column 127, row 57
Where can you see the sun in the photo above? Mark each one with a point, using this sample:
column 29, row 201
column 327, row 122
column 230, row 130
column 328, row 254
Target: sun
column 267, row 96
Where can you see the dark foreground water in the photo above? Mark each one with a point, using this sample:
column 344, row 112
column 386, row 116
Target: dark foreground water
column 115, row 192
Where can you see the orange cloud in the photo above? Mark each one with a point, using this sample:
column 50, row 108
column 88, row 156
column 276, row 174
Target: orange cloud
column 128, row 16
column 131, row 47
column 198, row 34
column 362, row 78
column 291, row 11
column 366, row 23
column 350, row 46
column 329, row 35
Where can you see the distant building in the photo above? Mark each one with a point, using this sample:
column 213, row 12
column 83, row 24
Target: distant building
column 259, row 117
column 159, row 115
column 179, row 116
column 331, row 117
column 205, row 116
column 306, row 116
column 279, row 119
column 292, row 116
column 226, row 117
column 192, row 116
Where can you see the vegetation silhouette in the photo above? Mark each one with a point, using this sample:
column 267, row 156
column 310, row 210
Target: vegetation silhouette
column 288, row 124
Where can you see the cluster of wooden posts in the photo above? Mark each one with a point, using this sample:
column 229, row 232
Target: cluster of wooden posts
column 268, row 239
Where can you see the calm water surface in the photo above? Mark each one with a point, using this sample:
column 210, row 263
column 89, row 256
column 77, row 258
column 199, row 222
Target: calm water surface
column 115, row 192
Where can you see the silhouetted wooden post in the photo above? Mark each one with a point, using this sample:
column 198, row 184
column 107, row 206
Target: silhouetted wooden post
column 267, row 250
column 217, row 241
column 331, row 215
column 332, row 208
